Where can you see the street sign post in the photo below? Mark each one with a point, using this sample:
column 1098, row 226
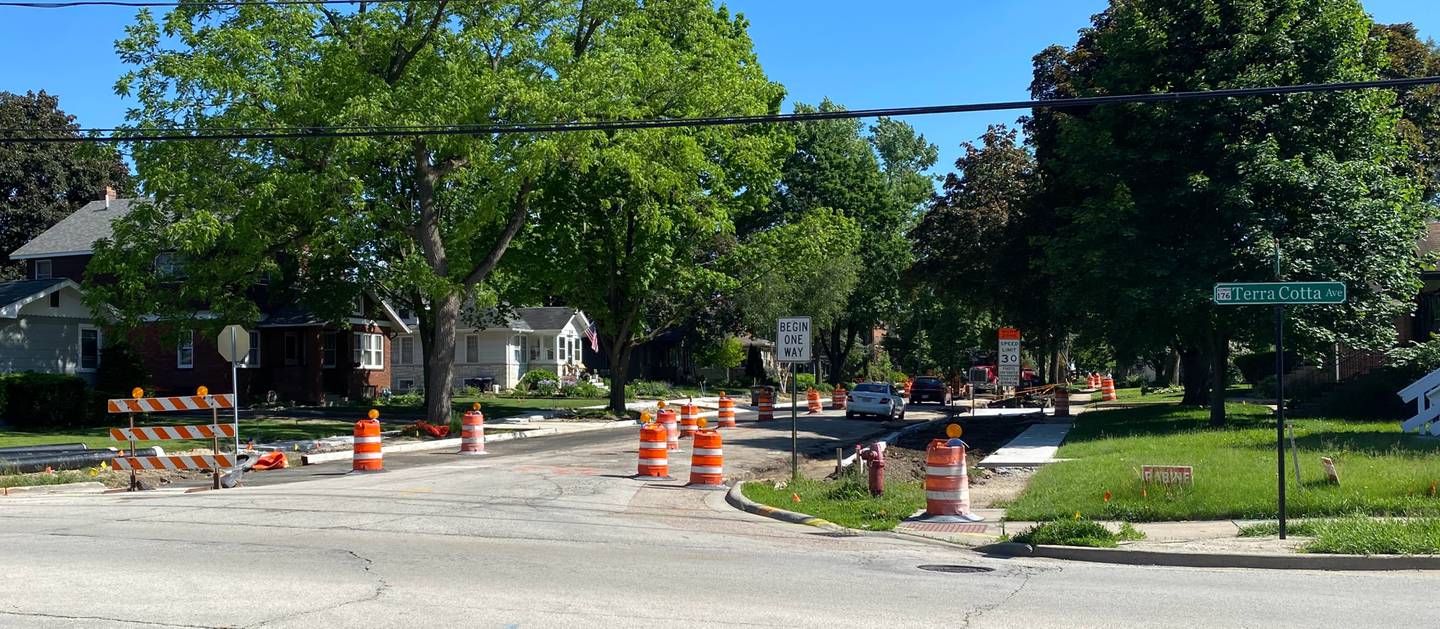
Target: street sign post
column 1009, row 358
column 234, row 346
column 792, row 344
column 1279, row 295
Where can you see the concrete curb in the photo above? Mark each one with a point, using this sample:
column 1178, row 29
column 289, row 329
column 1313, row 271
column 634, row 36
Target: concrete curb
column 737, row 499
column 1217, row 560
column 84, row 487
column 446, row 444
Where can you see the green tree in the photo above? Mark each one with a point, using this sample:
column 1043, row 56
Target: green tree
column 726, row 353
column 874, row 176
column 426, row 220
column 1419, row 126
column 41, row 183
column 1157, row 202
column 637, row 226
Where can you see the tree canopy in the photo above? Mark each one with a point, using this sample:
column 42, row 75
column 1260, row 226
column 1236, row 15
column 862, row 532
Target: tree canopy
column 41, row 183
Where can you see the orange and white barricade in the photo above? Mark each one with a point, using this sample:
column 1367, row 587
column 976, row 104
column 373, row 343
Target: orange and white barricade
column 767, row 406
column 667, row 418
column 689, row 420
column 812, row 401
column 654, row 453
column 214, row 431
column 726, row 416
column 837, row 398
column 1107, row 389
column 368, row 453
column 707, row 461
column 947, row 483
column 472, row 431
column 1062, row 402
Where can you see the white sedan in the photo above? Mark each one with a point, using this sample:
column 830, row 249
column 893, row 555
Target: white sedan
column 875, row 398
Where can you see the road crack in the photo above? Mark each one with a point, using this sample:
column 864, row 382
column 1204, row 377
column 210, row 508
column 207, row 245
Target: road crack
column 367, row 565
column 147, row 623
column 976, row 613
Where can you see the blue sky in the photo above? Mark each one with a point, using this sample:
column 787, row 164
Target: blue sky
column 860, row 54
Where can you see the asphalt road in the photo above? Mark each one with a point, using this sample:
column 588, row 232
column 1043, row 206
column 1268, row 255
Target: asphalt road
column 553, row 533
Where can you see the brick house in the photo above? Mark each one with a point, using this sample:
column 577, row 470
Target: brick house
column 294, row 356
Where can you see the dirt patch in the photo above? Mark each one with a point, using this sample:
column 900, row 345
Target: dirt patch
column 905, row 460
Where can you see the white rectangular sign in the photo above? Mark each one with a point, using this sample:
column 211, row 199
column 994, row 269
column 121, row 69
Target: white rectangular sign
column 1009, row 359
column 792, row 341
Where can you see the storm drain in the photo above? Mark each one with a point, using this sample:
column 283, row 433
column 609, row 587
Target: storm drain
column 955, row 569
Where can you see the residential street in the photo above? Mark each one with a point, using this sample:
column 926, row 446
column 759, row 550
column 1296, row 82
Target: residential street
column 552, row 533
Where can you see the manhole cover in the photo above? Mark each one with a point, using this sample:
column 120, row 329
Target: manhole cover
column 956, row 569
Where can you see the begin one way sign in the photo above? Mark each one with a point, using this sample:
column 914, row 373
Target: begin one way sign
column 793, row 340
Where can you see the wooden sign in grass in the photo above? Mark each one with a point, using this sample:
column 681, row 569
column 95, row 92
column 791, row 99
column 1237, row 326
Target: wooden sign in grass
column 1167, row 474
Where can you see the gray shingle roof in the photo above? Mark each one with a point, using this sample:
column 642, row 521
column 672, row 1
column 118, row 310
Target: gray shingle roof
column 548, row 318
column 11, row 292
column 77, row 233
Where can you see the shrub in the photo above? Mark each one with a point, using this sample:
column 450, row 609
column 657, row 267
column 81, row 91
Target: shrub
column 120, row 370
column 805, row 381
column 898, row 376
column 409, row 398
column 1135, row 382
column 40, row 401
column 528, row 381
column 583, row 389
column 1077, row 532
column 1255, row 366
column 650, row 388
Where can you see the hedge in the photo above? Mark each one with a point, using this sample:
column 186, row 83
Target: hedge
column 40, row 401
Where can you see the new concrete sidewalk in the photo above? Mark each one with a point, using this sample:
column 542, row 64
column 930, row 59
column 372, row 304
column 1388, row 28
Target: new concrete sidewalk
column 1033, row 448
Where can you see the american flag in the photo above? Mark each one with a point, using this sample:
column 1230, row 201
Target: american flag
column 594, row 340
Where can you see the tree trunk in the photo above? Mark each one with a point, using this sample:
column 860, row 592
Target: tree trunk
column 1197, row 376
column 1174, row 369
column 1219, row 360
column 440, row 359
column 1055, row 375
column 425, row 327
column 835, row 353
column 620, row 350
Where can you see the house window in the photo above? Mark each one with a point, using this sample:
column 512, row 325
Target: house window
column 89, row 348
column 405, row 384
column 472, row 348
column 518, row 342
column 294, row 351
column 42, row 269
column 407, row 350
column 535, row 348
column 564, row 348
column 369, row 351
column 185, row 350
column 252, row 358
column 170, row 265
column 55, row 299
column 329, row 344
column 549, row 348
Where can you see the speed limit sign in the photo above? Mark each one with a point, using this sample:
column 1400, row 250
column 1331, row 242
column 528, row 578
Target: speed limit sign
column 1009, row 359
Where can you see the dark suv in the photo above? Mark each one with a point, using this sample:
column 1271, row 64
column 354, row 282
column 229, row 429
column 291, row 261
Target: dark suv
column 929, row 389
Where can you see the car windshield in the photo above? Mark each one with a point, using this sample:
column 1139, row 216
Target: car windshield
column 873, row 387
column 927, row 381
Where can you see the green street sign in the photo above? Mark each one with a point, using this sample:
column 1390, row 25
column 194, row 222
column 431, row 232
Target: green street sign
column 1263, row 293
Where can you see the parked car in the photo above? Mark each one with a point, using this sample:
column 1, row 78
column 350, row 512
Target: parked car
column 880, row 399
column 929, row 389
column 982, row 378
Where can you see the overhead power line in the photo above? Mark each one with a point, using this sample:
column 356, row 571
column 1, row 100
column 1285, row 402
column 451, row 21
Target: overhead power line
column 283, row 133
column 172, row 3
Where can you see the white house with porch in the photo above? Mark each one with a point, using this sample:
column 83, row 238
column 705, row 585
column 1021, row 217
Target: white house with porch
column 546, row 338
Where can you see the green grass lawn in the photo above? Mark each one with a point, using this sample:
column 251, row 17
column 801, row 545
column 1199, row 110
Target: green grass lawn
column 1383, row 471
column 846, row 502
column 258, row 429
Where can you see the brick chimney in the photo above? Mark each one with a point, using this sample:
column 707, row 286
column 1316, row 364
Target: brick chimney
column 109, row 195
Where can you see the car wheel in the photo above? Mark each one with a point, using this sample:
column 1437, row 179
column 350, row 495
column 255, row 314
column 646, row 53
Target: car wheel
column 901, row 418
column 849, row 414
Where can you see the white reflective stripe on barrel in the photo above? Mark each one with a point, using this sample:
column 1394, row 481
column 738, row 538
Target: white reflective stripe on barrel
column 706, row 452
column 367, row 440
column 946, row 495
column 931, row 470
column 367, row 455
column 707, row 470
column 654, row 445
